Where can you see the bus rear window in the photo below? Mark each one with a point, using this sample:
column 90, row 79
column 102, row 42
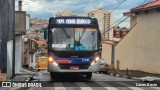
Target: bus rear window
column 43, row 59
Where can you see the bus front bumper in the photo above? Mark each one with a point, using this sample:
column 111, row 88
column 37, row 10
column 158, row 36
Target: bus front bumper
column 56, row 68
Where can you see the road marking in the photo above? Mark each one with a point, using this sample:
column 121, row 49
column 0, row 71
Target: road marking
column 83, row 86
column 157, row 88
column 129, row 86
column 104, row 84
column 59, row 86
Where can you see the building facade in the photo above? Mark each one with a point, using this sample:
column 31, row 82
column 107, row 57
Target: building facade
column 105, row 20
column 20, row 32
column 119, row 33
column 6, row 38
column 140, row 48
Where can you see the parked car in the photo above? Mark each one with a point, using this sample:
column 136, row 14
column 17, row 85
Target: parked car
column 103, row 68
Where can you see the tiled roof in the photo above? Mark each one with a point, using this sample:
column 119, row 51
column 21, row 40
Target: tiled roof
column 111, row 42
column 40, row 42
column 148, row 5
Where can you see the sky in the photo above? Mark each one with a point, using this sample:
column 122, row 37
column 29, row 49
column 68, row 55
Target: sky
column 47, row 8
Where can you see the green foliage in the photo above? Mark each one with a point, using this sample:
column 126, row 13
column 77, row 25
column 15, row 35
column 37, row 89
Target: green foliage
column 124, row 28
column 37, row 31
column 36, row 38
column 43, row 29
column 37, row 46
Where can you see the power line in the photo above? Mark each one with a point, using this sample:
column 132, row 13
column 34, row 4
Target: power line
column 92, row 5
column 84, row 6
column 145, row 2
column 124, row 20
column 130, row 29
column 116, row 24
column 113, row 9
column 109, row 14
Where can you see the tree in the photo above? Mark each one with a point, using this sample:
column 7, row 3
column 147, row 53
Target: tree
column 124, row 28
column 118, row 27
column 37, row 46
column 36, row 38
column 43, row 29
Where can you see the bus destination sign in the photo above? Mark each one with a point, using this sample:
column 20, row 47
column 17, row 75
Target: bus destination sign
column 73, row 21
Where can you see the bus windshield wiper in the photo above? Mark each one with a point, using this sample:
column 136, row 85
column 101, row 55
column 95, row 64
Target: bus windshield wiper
column 82, row 34
column 65, row 33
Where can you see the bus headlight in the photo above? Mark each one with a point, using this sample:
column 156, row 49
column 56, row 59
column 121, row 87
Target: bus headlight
column 52, row 60
column 95, row 60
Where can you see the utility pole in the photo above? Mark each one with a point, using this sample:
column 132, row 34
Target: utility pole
column 6, row 30
column 113, row 55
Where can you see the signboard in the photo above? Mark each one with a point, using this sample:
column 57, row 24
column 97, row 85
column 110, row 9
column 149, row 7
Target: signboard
column 59, row 45
column 73, row 21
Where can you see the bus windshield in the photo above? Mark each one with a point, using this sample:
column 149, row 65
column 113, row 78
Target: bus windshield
column 76, row 39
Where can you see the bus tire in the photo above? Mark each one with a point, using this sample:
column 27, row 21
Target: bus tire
column 53, row 75
column 88, row 75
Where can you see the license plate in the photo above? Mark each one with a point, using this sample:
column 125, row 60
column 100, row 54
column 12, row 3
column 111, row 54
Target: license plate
column 74, row 67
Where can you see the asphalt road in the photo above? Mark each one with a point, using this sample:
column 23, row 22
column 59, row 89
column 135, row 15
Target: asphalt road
column 79, row 82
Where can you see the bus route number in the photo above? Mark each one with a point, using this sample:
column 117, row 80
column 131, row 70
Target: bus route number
column 85, row 60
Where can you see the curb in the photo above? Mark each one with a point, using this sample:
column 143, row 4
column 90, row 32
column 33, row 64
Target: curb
column 32, row 70
column 29, row 78
column 123, row 76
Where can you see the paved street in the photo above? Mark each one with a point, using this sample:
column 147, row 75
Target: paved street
column 78, row 82
column 117, row 37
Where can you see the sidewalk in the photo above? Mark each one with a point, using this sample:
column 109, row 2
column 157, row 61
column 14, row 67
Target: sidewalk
column 133, row 74
column 24, row 75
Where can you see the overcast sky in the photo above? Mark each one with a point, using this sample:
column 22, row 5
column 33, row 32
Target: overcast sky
column 47, row 8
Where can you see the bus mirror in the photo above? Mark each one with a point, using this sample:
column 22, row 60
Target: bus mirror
column 100, row 37
column 45, row 34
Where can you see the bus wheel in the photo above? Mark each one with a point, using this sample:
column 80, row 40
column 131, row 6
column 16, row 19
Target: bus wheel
column 53, row 75
column 88, row 75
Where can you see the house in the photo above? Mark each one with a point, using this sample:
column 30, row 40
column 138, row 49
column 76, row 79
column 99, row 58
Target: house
column 140, row 48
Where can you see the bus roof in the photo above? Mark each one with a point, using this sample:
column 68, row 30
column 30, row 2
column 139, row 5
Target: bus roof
column 73, row 17
column 73, row 21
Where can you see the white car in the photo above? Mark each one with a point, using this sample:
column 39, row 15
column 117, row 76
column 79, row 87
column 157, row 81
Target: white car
column 103, row 67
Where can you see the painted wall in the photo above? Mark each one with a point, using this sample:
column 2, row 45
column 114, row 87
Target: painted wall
column 20, row 30
column 9, row 58
column 6, row 34
column 18, row 53
column 140, row 49
column 106, row 52
column 20, row 22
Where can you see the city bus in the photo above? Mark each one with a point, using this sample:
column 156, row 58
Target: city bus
column 74, row 45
